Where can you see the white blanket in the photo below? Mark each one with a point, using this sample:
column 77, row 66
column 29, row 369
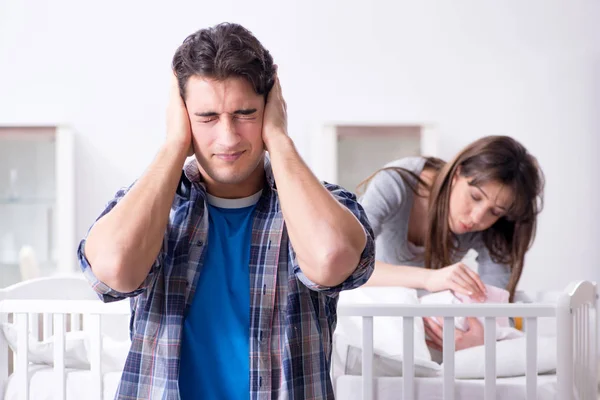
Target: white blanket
column 388, row 341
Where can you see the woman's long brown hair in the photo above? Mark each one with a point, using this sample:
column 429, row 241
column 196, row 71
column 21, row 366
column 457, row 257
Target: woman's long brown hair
column 490, row 159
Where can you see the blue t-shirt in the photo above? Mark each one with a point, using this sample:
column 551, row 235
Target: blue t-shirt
column 214, row 360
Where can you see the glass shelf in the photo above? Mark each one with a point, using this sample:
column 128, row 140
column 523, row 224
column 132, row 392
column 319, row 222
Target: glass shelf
column 46, row 201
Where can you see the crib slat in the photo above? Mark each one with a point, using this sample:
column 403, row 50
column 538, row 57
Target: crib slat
column 22, row 369
column 367, row 358
column 75, row 322
column 34, row 325
column 95, row 357
column 531, row 343
column 408, row 359
column 448, row 342
column 59, row 356
column 3, row 355
column 593, row 327
column 584, row 356
column 588, row 359
column 577, row 345
column 586, row 346
column 490, row 358
column 564, row 364
column 579, row 377
column 46, row 326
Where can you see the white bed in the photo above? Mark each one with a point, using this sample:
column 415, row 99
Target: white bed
column 350, row 387
column 572, row 352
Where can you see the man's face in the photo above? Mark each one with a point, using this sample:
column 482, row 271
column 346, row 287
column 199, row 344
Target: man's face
column 226, row 120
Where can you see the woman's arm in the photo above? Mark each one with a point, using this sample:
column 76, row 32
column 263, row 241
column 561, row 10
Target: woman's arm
column 399, row 275
column 457, row 277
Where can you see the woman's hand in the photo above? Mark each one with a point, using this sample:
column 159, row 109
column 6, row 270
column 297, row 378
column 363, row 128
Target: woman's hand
column 458, row 278
column 462, row 339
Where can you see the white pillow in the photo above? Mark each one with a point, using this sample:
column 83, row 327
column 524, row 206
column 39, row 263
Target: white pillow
column 42, row 352
column 510, row 359
column 387, row 333
column 388, row 365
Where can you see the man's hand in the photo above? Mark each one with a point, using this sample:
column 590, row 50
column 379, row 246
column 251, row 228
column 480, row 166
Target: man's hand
column 275, row 116
column 179, row 133
column 462, row 340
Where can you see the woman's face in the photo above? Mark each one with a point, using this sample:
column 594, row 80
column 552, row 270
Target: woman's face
column 476, row 208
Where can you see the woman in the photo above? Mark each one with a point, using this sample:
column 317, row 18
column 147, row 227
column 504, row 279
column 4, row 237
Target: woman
column 428, row 213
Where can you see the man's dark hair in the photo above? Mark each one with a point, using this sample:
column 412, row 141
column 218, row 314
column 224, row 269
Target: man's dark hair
column 224, row 51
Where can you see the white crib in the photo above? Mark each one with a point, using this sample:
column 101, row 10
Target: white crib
column 576, row 326
column 54, row 306
column 51, row 308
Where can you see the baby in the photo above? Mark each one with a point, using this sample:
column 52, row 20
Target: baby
column 494, row 295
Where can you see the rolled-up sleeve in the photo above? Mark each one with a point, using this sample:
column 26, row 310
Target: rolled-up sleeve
column 106, row 293
column 366, row 265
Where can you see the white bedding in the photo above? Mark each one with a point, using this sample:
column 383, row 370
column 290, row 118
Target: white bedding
column 349, row 387
column 42, row 381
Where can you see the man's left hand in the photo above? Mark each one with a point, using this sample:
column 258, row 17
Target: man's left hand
column 275, row 116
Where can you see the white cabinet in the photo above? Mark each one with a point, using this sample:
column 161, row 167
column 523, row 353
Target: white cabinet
column 348, row 153
column 37, row 202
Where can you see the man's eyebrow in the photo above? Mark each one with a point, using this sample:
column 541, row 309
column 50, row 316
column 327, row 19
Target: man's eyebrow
column 206, row 114
column 486, row 196
column 243, row 111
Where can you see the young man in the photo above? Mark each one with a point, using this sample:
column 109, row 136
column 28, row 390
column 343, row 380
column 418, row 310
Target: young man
column 234, row 265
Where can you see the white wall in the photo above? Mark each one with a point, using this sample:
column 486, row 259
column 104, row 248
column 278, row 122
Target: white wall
column 528, row 69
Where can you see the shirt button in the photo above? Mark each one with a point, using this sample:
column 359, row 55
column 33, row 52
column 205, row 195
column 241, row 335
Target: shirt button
column 199, row 243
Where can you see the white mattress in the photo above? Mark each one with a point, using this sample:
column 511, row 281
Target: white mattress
column 349, row 387
column 42, row 381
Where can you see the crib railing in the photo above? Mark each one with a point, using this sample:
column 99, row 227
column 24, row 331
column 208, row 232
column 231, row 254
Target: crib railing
column 575, row 314
column 55, row 314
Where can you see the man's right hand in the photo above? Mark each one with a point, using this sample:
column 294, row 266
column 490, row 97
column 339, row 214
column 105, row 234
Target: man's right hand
column 179, row 133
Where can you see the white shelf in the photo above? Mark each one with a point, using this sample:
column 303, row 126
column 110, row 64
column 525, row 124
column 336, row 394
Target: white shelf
column 37, row 198
column 348, row 152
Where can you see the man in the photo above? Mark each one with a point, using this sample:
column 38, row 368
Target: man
column 234, row 265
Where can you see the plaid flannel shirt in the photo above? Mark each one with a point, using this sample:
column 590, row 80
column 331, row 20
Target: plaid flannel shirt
column 291, row 319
